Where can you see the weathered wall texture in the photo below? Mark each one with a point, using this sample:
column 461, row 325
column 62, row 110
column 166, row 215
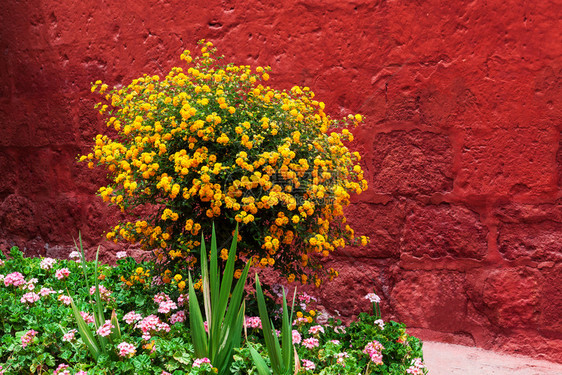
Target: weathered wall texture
column 461, row 145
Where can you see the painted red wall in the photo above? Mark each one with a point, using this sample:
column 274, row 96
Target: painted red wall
column 461, row 143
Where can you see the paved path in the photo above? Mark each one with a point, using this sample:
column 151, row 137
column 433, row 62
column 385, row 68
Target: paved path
column 448, row 359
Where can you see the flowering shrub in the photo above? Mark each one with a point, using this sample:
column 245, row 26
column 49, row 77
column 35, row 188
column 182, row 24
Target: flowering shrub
column 212, row 143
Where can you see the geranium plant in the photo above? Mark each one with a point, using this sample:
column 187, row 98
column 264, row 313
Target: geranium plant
column 211, row 142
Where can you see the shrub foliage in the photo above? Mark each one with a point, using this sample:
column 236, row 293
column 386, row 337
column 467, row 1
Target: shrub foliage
column 210, row 142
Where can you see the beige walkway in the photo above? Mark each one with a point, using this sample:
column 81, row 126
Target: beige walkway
column 448, row 359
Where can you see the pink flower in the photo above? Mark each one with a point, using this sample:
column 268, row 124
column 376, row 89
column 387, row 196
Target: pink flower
column 161, row 297
column 132, row 317
column 126, row 349
column 69, row 336
column 30, row 298
column 253, row 322
column 380, row 323
column 104, row 292
column 310, row 343
column 149, row 324
column 81, row 372
column 165, row 373
column 199, row 361
column 14, row 278
column 416, row 368
column 339, row 329
column 46, row 291
column 167, row 306
column 308, row 365
column 182, row 299
column 62, row 273
column 88, row 318
column 297, row 338
column 61, row 370
column 121, row 254
column 178, row 317
column 47, row 263
column 373, row 298
column 105, row 329
column 315, row 330
column 31, row 284
column 335, row 342
column 206, row 325
column 65, row 299
column 340, row 358
column 74, row 255
column 300, row 321
column 28, row 337
column 373, row 349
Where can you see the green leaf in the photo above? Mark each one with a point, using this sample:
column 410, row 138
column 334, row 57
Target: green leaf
column 198, row 334
column 259, row 362
column 85, row 332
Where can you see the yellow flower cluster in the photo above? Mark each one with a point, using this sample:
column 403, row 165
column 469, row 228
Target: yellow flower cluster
column 140, row 276
column 211, row 142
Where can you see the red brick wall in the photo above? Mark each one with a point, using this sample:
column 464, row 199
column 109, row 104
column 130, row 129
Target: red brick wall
column 461, row 143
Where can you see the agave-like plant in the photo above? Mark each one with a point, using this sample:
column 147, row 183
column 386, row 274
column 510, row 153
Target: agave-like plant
column 224, row 313
column 284, row 358
column 97, row 345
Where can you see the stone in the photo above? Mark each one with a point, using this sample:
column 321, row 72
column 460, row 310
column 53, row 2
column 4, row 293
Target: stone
column 537, row 241
column 17, row 216
column 382, row 223
column 512, row 297
column 551, row 303
column 411, row 163
column 430, row 299
column 444, row 230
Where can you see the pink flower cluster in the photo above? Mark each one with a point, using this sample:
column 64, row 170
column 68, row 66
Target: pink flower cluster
column 373, row 298
column 62, row 369
column 200, row 361
column 151, row 324
column 30, row 285
column 46, row 291
column 88, row 318
column 308, row 365
column 104, row 292
column 340, row 358
column 14, row 278
column 178, row 317
column 65, row 299
column 165, row 303
column 380, row 323
column 74, row 255
column 63, row 273
column 297, row 338
column 300, row 321
column 132, row 317
column 253, row 322
column 316, row 330
column 69, row 336
column 305, row 299
column 416, row 368
column 126, row 350
column 47, row 263
column 105, row 329
column 374, row 349
column 121, row 254
column 310, row 343
column 30, row 298
column 28, row 337
column 183, row 299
